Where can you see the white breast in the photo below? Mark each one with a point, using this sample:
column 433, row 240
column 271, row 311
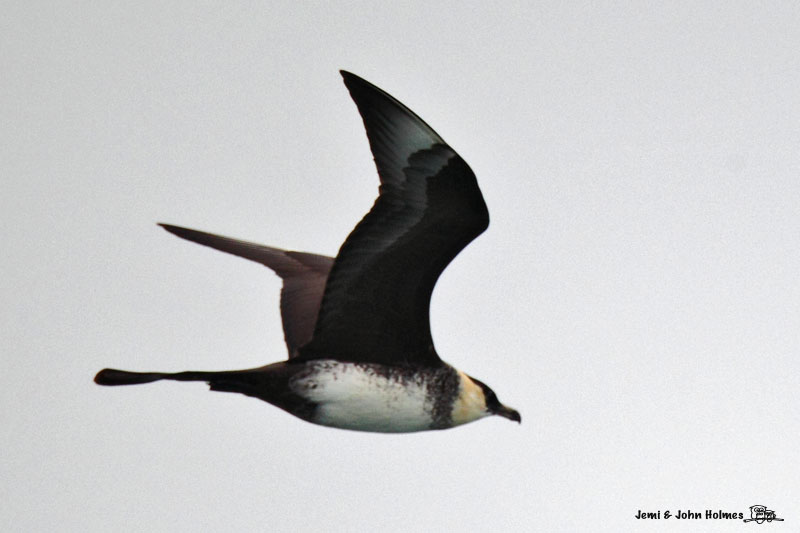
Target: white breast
column 363, row 398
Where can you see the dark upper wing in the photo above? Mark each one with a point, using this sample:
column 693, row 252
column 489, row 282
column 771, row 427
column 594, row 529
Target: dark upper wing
column 376, row 302
column 303, row 277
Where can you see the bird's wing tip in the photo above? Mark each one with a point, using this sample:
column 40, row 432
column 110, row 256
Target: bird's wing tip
column 175, row 230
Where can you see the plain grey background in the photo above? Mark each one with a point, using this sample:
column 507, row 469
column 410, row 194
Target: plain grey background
column 635, row 297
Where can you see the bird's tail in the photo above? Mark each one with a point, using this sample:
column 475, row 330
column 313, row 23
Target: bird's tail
column 113, row 377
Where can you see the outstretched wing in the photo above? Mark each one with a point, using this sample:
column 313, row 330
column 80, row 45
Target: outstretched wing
column 377, row 297
column 303, row 277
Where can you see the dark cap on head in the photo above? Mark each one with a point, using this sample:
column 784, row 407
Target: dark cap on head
column 494, row 406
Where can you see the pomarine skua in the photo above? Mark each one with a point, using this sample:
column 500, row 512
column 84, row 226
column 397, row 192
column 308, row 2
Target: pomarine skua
column 357, row 328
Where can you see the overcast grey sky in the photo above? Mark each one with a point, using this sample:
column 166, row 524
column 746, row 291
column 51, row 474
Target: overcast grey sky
column 636, row 296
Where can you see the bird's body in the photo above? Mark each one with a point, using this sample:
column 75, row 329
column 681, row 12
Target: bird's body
column 361, row 355
column 358, row 396
column 381, row 398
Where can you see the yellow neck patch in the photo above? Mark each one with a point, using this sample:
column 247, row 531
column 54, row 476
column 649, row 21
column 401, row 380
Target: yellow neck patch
column 470, row 404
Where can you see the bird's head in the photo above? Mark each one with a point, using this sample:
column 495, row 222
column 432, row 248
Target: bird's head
column 476, row 400
column 493, row 405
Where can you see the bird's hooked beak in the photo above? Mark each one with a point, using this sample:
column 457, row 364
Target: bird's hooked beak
column 507, row 412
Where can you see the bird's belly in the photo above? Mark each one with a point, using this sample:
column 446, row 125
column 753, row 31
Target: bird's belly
column 366, row 397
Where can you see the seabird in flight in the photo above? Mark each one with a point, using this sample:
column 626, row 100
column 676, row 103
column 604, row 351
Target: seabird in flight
column 361, row 356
